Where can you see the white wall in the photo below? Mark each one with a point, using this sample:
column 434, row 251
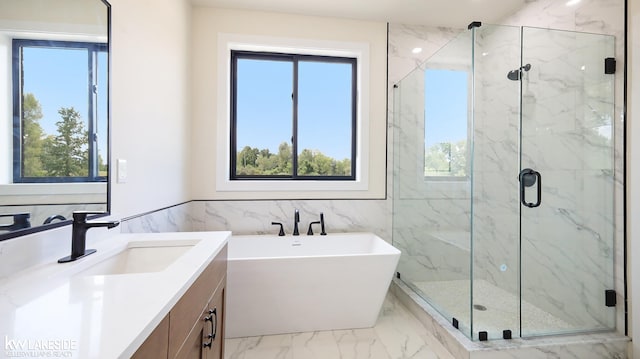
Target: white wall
column 209, row 23
column 150, row 103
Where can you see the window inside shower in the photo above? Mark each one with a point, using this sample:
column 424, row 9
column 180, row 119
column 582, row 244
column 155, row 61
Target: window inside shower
column 446, row 122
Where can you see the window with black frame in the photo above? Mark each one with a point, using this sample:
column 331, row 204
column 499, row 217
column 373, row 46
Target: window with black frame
column 293, row 117
column 59, row 138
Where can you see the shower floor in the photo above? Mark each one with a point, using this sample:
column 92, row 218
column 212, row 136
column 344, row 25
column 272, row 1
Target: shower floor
column 500, row 309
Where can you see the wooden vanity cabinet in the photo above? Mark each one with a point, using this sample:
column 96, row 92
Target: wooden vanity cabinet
column 206, row 339
column 193, row 321
column 157, row 344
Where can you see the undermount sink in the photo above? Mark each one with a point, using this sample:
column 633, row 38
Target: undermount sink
column 141, row 257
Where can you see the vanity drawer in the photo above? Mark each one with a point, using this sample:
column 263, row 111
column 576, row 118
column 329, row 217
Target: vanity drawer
column 186, row 313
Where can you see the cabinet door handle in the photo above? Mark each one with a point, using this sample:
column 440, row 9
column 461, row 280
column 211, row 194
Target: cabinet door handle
column 209, row 318
column 213, row 319
column 214, row 323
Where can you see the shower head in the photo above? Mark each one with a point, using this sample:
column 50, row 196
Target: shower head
column 515, row 75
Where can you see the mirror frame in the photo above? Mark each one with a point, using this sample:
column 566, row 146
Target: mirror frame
column 46, row 227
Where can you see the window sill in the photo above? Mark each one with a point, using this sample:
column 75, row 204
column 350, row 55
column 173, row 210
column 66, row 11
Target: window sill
column 291, row 186
column 291, row 190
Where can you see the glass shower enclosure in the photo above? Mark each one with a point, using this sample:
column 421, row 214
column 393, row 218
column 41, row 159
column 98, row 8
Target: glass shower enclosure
column 503, row 181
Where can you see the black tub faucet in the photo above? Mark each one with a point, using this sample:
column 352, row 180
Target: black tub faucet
column 321, row 223
column 296, row 220
column 281, row 232
column 322, row 233
column 79, row 230
column 310, row 231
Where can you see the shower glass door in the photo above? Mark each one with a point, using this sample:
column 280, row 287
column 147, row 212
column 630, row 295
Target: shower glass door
column 566, row 182
column 495, row 306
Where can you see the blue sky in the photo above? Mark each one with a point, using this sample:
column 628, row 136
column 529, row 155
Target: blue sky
column 446, row 105
column 265, row 110
column 59, row 78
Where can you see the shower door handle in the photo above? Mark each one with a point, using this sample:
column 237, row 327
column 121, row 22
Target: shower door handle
column 528, row 178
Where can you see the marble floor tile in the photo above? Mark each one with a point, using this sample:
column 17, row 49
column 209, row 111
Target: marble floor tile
column 265, row 347
column 396, row 335
column 360, row 344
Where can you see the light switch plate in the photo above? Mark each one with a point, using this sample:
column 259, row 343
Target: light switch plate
column 122, row 171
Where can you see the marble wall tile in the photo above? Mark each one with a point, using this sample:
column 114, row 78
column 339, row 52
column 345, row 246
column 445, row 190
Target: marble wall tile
column 600, row 17
column 571, row 138
column 179, row 218
column 432, row 258
column 40, row 213
column 404, row 38
column 255, row 217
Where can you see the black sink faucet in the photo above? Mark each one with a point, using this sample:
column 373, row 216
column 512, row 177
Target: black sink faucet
column 79, row 230
column 53, row 217
column 296, row 220
column 20, row 221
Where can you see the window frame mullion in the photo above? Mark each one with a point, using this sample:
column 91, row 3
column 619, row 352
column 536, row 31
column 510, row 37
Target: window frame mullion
column 294, row 135
column 92, row 109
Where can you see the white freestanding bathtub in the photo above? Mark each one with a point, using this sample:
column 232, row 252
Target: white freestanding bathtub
column 305, row 283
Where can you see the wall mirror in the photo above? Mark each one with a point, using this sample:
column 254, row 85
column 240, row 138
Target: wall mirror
column 54, row 117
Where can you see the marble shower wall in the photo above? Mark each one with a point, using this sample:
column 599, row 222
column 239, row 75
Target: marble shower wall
column 567, row 142
column 568, row 244
column 595, row 17
column 496, row 205
column 431, row 219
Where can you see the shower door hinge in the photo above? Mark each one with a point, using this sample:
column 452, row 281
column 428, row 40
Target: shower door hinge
column 610, row 298
column 609, row 65
column 483, row 336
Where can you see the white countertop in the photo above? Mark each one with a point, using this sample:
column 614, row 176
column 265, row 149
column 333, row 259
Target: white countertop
column 50, row 311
